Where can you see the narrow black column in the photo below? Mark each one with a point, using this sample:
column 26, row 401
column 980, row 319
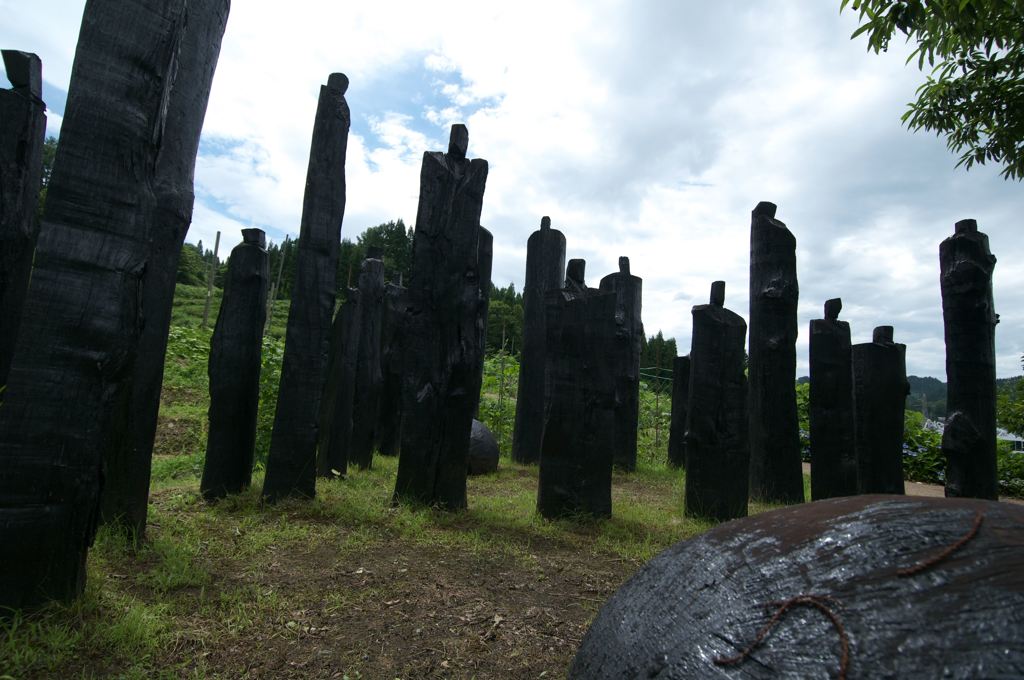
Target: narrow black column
column 680, row 407
column 629, row 335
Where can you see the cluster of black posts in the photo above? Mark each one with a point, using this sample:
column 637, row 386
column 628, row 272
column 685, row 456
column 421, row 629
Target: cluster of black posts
column 87, row 294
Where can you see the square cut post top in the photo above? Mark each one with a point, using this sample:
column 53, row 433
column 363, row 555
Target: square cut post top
column 882, row 335
column 458, row 142
column 832, row 308
column 575, row 271
column 718, row 293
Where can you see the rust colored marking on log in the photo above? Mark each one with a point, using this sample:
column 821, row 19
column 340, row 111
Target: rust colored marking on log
column 932, row 561
column 819, row 602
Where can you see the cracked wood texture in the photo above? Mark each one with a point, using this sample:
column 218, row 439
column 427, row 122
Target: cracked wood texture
column 577, row 451
column 775, row 470
column 236, row 352
column 200, row 25
column 369, row 380
column 707, row 597
column 680, row 406
column 70, row 390
column 833, row 456
column 545, row 271
column 442, row 342
column 629, row 334
column 880, row 391
column 389, row 425
column 22, row 130
column 969, row 440
column 717, row 448
column 291, row 464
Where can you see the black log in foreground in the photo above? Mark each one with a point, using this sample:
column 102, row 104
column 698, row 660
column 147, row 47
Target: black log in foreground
column 291, row 465
column 579, row 428
column 629, row 334
column 126, row 487
column 717, row 450
column 545, row 270
column 368, row 377
column 862, row 572
column 442, row 348
column 880, row 391
column 70, row 384
column 833, row 456
column 775, row 472
column 22, row 127
column 236, row 351
column 389, row 416
column 680, row 406
column 969, row 440
column 336, row 406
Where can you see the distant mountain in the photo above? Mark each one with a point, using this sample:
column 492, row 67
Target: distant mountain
column 927, row 395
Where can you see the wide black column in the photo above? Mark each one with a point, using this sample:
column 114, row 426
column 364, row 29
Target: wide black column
column 880, row 391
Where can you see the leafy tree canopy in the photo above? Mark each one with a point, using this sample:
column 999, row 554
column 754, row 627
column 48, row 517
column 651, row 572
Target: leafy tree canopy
column 975, row 92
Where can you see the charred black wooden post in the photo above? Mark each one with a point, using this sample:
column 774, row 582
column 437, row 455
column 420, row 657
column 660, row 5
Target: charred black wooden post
column 775, row 471
column 629, row 336
column 389, row 425
column 680, row 407
column 575, row 286
column 22, row 128
column 236, row 351
column 485, row 256
column 291, row 466
column 70, row 384
column 334, row 441
column 545, row 270
column 368, row 377
column 442, row 348
column 880, row 391
column 717, row 448
column 126, row 486
column 969, row 440
column 833, row 457
column 576, row 449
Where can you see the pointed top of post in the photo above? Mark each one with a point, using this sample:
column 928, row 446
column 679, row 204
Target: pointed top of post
column 545, row 222
column 25, row 71
column 966, row 227
column 254, row 237
column 882, row 335
column 832, row 308
column 338, row 81
column 575, row 269
column 623, row 265
column 718, row 293
column 766, row 209
column 458, row 141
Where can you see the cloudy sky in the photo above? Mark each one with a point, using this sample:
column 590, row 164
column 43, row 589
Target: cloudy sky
column 647, row 128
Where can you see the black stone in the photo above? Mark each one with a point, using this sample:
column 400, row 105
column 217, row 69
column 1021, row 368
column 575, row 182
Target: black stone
column 291, row 465
column 545, row 271
column 577, row 447
column 708, row 597
column 483, row 450
column 717, row 448
column 389, row 417
column 833, row 456
column 629, row 335
column 369, row 381
column 236, row 351
column 880, row 390
column 969, row 440
column 122, row 160
column 775, row 468
column 442, row 342
column 680, row 407
column 22, row 129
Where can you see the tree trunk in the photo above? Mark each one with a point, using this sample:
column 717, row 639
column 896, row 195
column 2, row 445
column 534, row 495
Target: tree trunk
column 775, row 472
column 236, row 352
column 71, row 382
column 833, row 456
column 969, row 441
column 22, row 131
column 717, row 448
column 545, row 271
column 200, row 26
column 880, row 391
column 443, row 349
column 291, row 465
